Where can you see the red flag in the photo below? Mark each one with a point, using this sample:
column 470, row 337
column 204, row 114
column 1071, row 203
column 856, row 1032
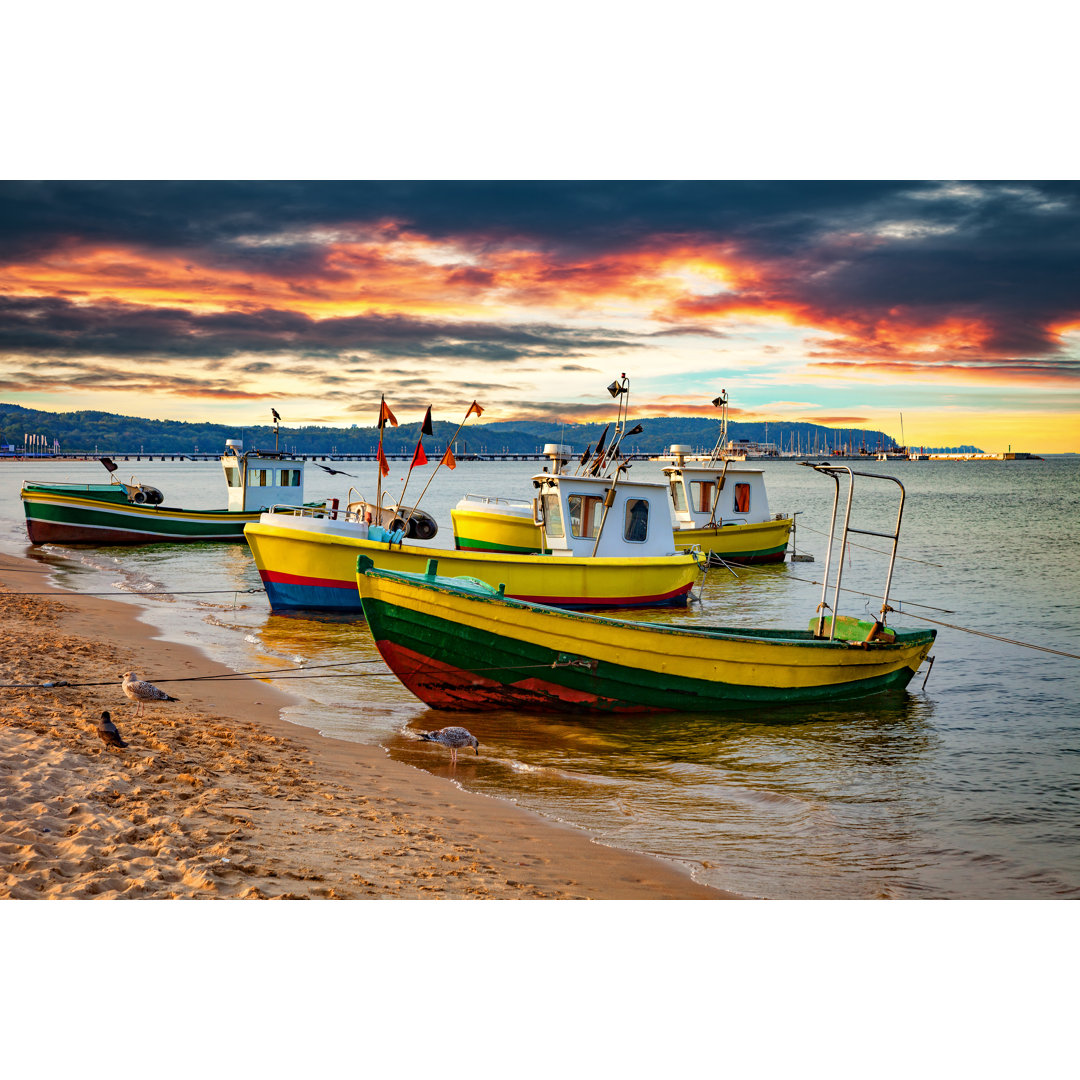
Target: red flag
column 385, row 414
column 419, row 457
column 448, row 459
column 425, row 428
column 474, row 408
column 384, row 465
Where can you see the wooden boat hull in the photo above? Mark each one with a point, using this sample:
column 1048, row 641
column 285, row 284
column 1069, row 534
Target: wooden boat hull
column 91, row 514
column 460, row 648
column 490, row 530
column 756, row 542
column 314, row 569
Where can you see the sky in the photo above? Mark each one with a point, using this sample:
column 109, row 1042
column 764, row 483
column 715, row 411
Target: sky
column 953, row 303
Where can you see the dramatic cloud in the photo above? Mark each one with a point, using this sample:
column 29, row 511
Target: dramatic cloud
column 206, row 290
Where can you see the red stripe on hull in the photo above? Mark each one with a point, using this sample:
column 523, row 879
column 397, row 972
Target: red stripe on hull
column 443, row 686
column 314, row 582
column 44, row 532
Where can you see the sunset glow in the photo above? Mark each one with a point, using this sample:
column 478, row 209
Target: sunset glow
column 804, row 300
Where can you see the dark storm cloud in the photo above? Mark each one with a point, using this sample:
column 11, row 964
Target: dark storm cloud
column 909, row 252
column 596, row 215
column 53, row 327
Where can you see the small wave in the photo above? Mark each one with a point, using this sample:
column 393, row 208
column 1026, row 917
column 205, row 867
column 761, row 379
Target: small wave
column 144, row 588
column 522, row 767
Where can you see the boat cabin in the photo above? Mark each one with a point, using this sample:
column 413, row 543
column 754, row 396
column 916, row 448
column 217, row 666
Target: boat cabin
column 258, row 479
column 718, row 492
column 602, row 516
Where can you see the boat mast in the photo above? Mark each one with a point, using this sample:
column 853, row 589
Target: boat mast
column 720, row 403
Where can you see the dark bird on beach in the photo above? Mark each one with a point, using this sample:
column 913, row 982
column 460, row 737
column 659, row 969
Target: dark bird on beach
column 142, row 692
column 277, row 417
column 334, row 472
column 108, row 732
column 453, row 737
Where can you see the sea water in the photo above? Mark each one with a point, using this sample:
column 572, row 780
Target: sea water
column 964, row 785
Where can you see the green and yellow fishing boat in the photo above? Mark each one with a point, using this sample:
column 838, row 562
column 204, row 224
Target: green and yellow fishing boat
column 460, row 645
column 135, row 513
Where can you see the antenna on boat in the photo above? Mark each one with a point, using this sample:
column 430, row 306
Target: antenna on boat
column 720, row 403
column 618, row 388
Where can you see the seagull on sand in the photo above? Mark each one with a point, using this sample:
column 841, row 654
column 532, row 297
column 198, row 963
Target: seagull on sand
column 142, row 692
column 453, row 737
column 108, row 732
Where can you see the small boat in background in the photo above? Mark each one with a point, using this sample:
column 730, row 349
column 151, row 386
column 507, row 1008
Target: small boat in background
column 135, row 513
column 721, row 506
column 463, row 645
column 720, row 503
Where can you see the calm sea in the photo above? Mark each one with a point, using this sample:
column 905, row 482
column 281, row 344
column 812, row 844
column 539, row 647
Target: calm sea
column 965, row 787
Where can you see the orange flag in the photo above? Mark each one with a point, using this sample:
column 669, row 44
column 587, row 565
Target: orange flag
column 385, row 414
column 448, row 459
column 419, row 457
column 384, row 465
column 474, row 408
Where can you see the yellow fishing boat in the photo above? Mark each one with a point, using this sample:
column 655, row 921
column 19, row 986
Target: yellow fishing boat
column 307, row 561
column 719, row 504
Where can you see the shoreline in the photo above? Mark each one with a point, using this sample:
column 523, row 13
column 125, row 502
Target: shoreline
column 218, row 796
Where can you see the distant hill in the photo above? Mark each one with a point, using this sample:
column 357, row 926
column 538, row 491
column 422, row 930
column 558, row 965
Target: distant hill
column 95, row 432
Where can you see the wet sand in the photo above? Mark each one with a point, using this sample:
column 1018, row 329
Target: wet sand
column 216, row 796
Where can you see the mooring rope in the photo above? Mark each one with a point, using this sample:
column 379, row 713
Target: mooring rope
column 132, row 592
column 993, row 637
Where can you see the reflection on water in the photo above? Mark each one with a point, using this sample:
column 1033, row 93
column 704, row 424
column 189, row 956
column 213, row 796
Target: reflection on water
column 966, row 788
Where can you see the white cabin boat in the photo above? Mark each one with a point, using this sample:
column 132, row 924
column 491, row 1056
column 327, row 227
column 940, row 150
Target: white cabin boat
column 721, row 506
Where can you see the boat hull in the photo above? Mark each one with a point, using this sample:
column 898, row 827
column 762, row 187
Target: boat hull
column 314, row 569
column 485, row 530
column 58, row 516
column 457, row 649
column 756, row 542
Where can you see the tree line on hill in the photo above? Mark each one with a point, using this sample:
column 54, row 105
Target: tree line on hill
column 93, row 432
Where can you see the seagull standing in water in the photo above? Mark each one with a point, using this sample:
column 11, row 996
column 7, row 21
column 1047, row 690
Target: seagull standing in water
column 453, row 737
column 142, row 692
column 108, row 732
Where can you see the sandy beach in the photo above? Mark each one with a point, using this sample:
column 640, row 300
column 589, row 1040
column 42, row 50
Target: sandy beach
column 216, row 796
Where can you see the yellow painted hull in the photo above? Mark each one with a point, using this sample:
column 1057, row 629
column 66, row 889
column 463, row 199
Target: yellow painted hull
column 757, row 542
column 312, row 569
column 484, row 530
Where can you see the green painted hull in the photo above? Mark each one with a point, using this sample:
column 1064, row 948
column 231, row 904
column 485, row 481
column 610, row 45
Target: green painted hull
column 77, row 514
column 456, row 656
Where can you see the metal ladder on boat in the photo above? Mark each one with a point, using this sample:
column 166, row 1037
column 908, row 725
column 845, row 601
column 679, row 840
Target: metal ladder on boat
column 835, row 471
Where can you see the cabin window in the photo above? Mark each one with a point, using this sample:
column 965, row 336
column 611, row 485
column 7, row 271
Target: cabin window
column 702, row 494
column 637, row 520
column 290, row 478
column 678, row 496
column 260, row 477
column 742, row 498
column 232, row 476
column 553, row 516
column 585, row 514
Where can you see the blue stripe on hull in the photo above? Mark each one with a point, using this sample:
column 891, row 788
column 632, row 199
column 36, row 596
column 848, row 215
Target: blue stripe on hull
column 288, row 596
